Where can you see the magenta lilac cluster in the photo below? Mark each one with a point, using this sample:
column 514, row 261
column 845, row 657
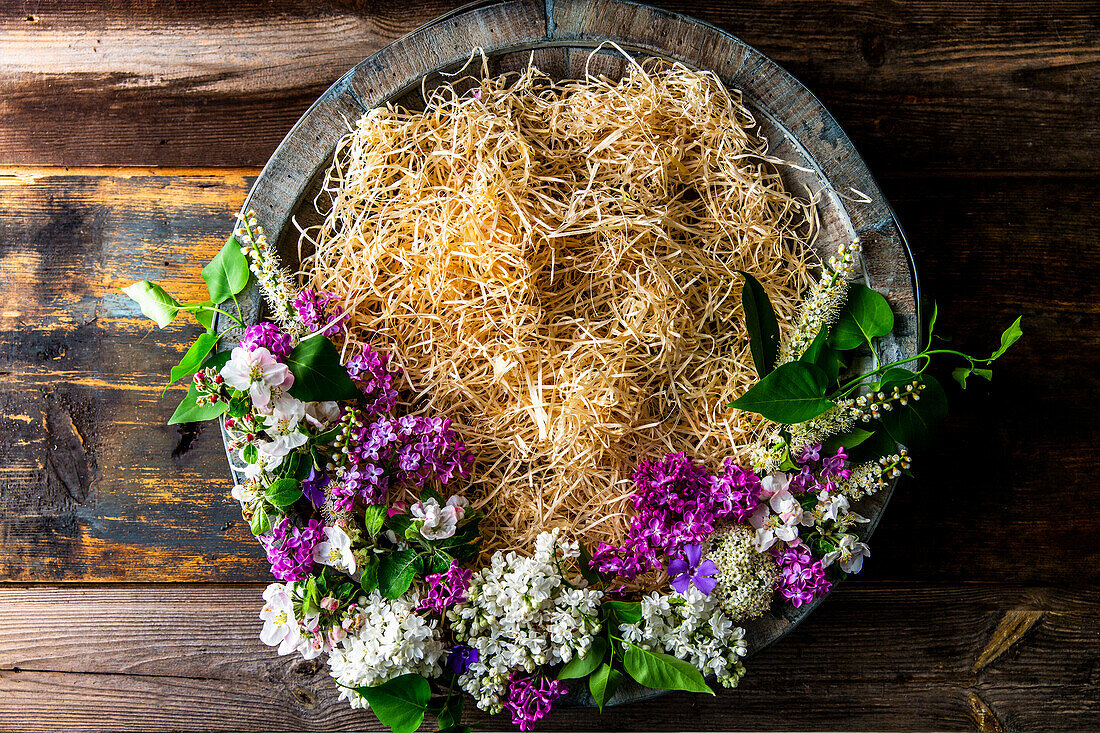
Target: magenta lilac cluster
column 315, row 311
column 817, row 472
column 290, row 549
column 530, row 698
column 404, row 451
column 267, row 336
column 446, row 589
column 801, row 577
column 370, row 370
column 677, row 503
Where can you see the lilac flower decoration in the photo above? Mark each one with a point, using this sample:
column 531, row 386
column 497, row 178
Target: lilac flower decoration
column 370, row 369
column 810, row 453
column 446, row 589
column 268, row 336
column 290, row 549
column 688, row 571
column 315, row 311
column 461, row 657
column 801, row 578
column 836, row 465
column 530, row 698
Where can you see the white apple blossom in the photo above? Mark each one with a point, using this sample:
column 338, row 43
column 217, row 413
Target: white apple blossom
column 335, row 550
column 779, row 518
column 850, row 554
column 280, row 627
column 282, row 426
column 258, row 373
column 322, row 414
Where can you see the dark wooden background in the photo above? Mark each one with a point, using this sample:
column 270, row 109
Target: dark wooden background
column 130, row 131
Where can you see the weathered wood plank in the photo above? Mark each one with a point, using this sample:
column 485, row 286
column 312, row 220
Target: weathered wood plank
column 882, row 655
column 93, row 485
column 942, row 85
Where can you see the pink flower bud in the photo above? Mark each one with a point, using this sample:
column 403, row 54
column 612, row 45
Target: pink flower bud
column 329, row 603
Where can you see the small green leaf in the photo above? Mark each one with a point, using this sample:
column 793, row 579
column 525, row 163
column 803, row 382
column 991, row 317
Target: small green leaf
column 154, row 300
column 204, row 317
column 190, row 411
column 583, row 666
column 226, row 274
column 396, row 572
column 847, row 440
column 318, row 374
column 761, row 323
column 283, row 493
column 629, row 612
column 603, row 684
column 399, row 703
column 448, row 714
column 311, row 600
column 932, row 324
column 663, row 671
column 585, row 562
column 914, row 424
column 1010, row 336
column 894, row 377
column 960, row 374
column 866, row 314
column 192, row 360
column 374, row 516
column 368, row 581
column 260, row 522
column 793, row 393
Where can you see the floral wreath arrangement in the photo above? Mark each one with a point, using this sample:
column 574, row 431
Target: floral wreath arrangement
column 386, row 385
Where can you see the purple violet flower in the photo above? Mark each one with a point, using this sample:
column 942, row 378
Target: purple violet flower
column 461, row 657
column 313, row 487
column 530, row 698
column 688, row 571
column 267, row 336
column 290, row 549
column 801, row 577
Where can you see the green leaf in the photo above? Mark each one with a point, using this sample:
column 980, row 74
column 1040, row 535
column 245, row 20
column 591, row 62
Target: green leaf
column 204, row 317
column 629, row 612
column 190, row 411
column 877, row 445
column 914, row 424
column 396, row 573
column 448, row 714
column 932, row 324
column 283, row 493
column 154, row 300
column 226, row 274
column 374, row 516
column 663, row 671
column 761, row 323
column 847, row 440
column 318, row 374
column 192, row 360
column 791, row 394
column 603, row 683
column 583, row 666
column 311, row 599
column 894, row 377
column 585, row 562
column 399, row 703
column 960, row 374
column 1010, row 336
column 260, row 522
column 866, row 314
column 368, row 580
column 819, row 354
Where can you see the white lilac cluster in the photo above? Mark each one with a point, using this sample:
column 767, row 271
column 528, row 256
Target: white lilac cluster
column 823, row 303
column 521, row 614
column 693, row 628
column 385, row 639
column 746, row 577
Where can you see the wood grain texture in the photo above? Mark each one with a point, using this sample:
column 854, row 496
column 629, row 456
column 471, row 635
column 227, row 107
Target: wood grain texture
column 177, row 657
column 941, row 85
column 96, row 487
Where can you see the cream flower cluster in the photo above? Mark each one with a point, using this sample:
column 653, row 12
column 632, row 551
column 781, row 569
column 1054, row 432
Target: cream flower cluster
column 746, row 577
column 521, row 614
column 823, row 303
column 386, row 639
column 693, row 628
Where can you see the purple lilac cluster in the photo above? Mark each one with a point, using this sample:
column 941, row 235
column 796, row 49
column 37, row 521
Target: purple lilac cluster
column 677, row 503
column 370, row 370
column 267, row 336
column 290, row 549
column 404, row 451
column 530, row 698
column 446, row 589
column 801, row 577
column 314, row 311
column 817, row 472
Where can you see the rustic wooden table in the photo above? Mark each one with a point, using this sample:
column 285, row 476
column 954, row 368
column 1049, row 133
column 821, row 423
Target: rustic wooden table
column 130, row 131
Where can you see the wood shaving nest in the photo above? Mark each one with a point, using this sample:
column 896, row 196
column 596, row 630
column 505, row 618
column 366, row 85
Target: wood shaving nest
column 554, row 266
